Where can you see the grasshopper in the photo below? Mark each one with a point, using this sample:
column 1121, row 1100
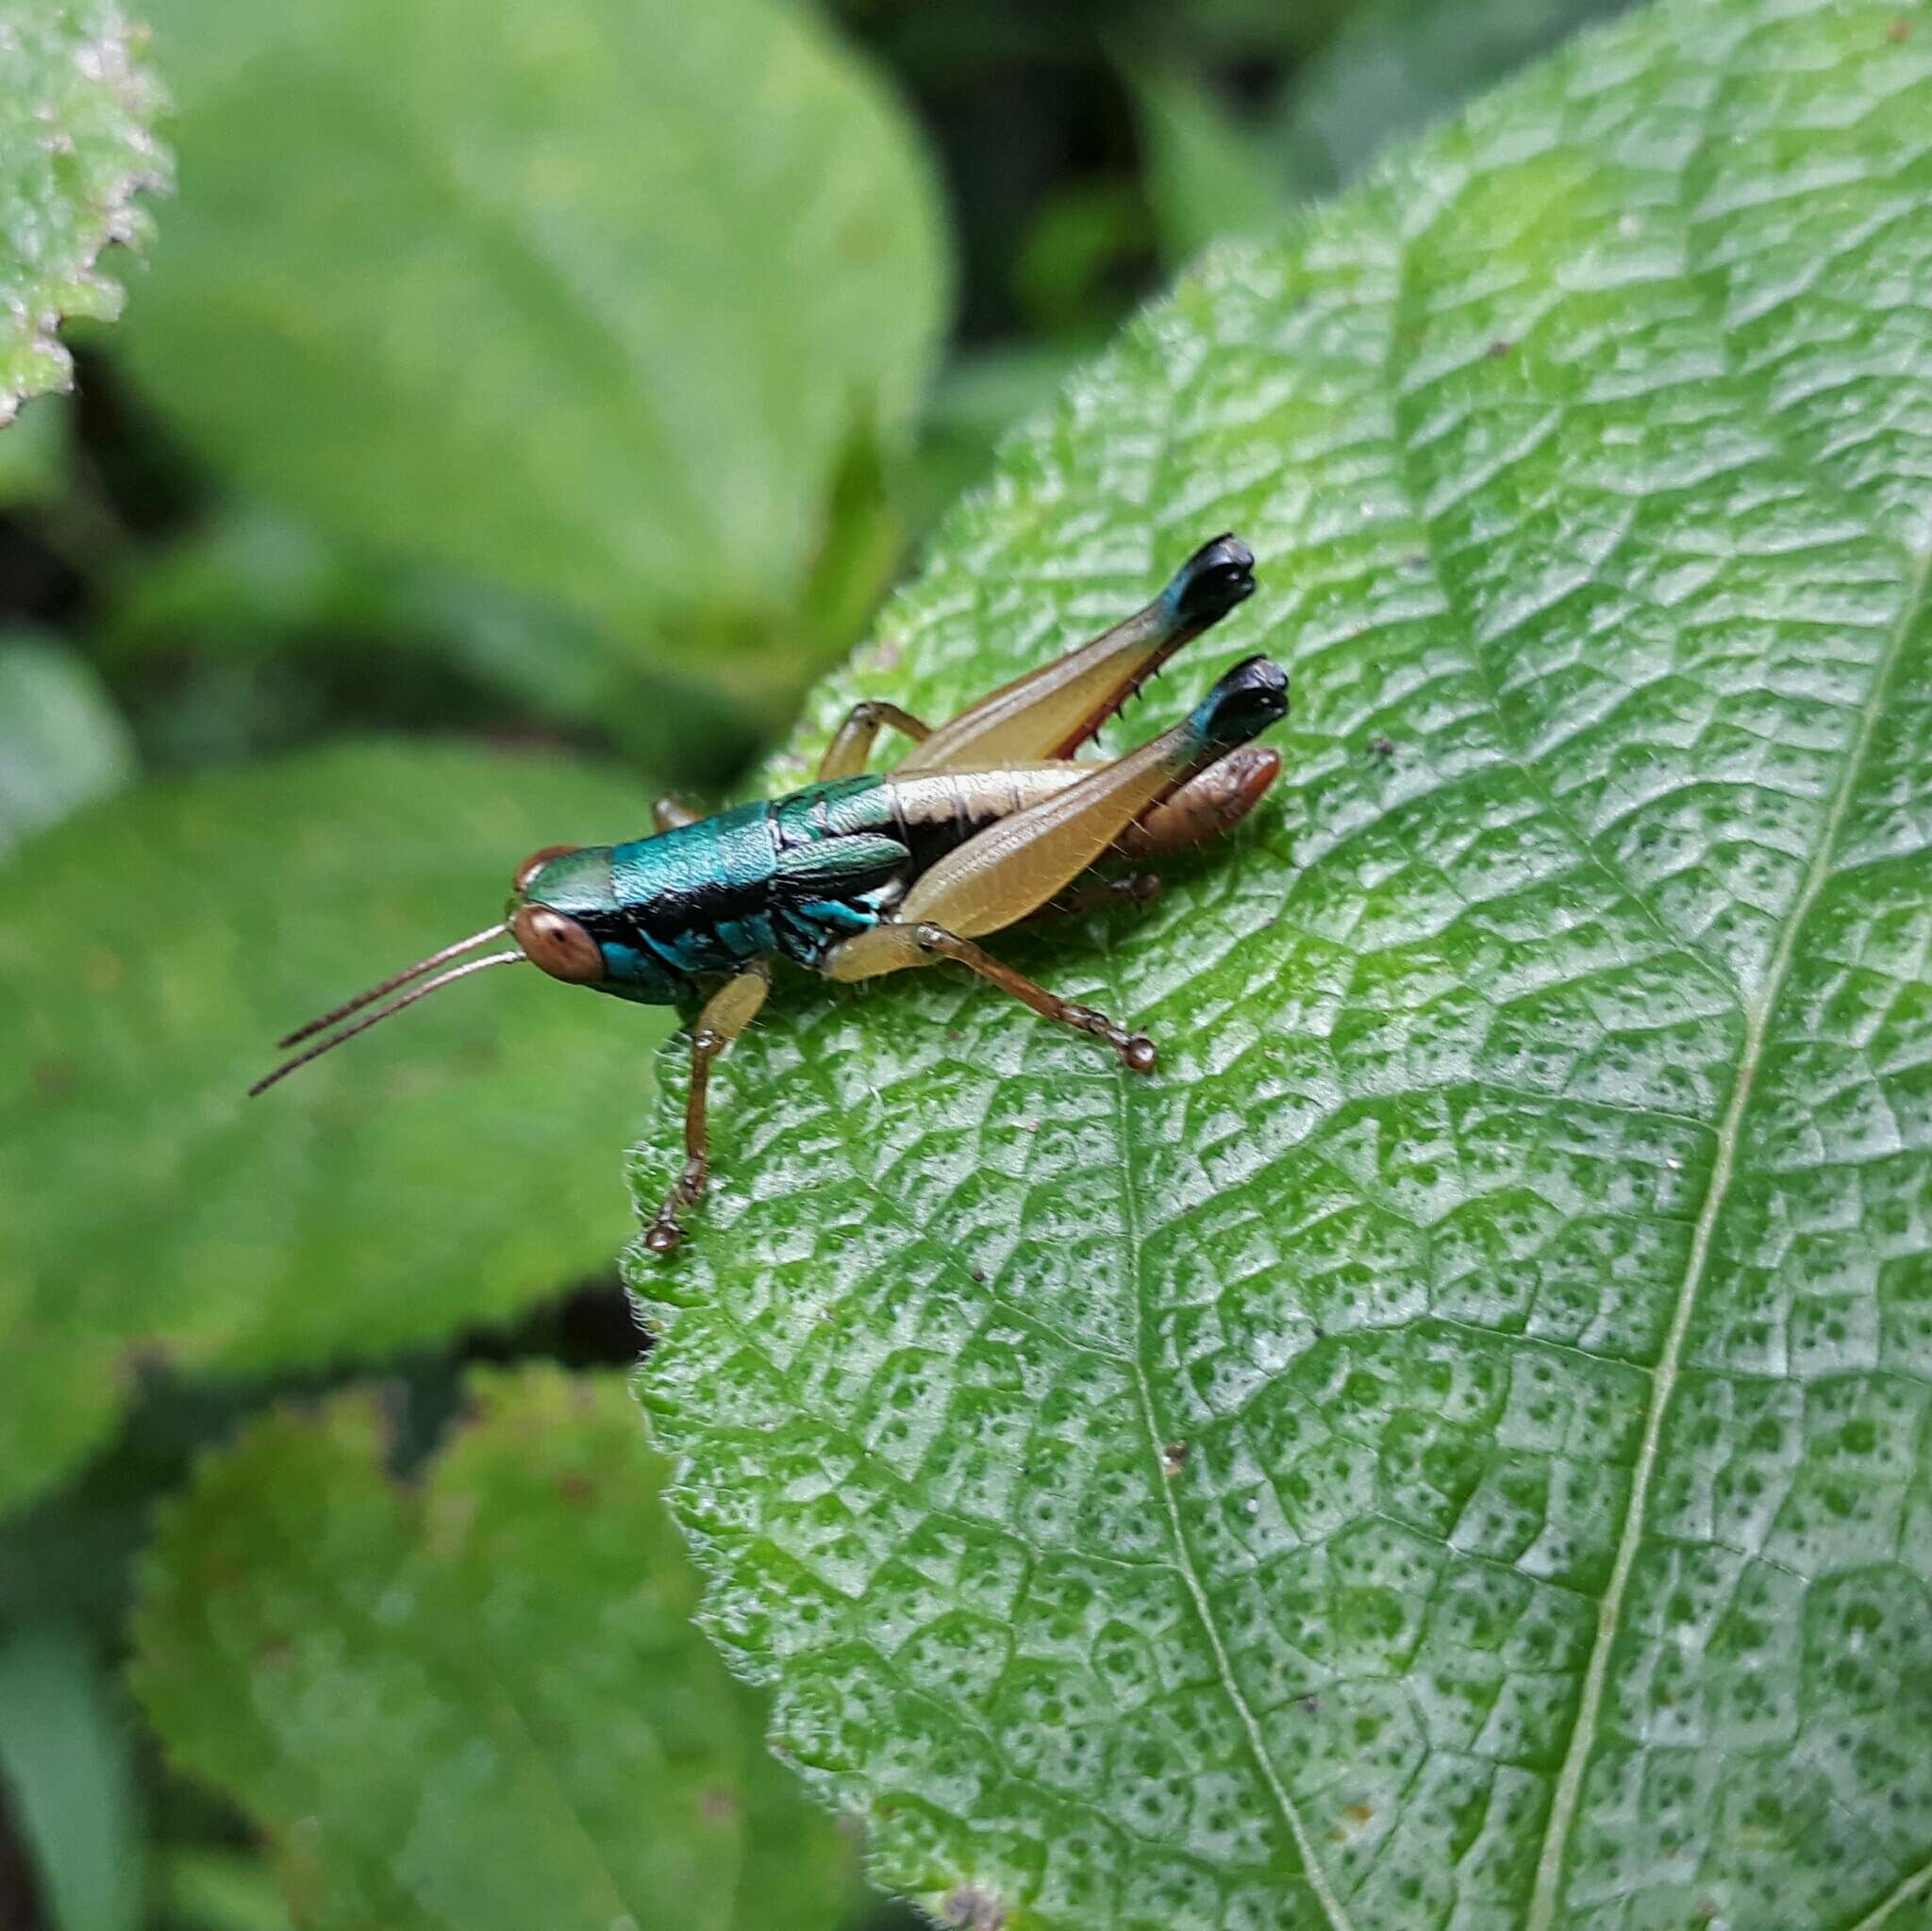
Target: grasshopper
column 987, row 822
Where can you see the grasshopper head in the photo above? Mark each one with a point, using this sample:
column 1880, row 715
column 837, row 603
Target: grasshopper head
column 554, row 887
column 565, row 913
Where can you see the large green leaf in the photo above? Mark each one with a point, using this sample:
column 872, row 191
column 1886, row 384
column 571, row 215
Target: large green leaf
column 1451, row 1448
column 77, row 105
column 441, row 1173
column 476, row 1700
column 590, row 301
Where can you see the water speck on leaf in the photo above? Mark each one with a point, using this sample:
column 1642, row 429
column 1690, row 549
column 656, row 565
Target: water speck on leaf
column 1174, row 1458
column 972, row 1909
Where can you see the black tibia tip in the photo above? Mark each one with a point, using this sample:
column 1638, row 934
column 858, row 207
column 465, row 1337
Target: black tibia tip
column 1244, row 702
column 1212, row 581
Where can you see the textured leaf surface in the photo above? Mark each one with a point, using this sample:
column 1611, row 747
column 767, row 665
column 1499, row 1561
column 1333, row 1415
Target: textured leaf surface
column 61, row 740
column 76, row 107
column 1452, row 1449
column 476, row 1699
column 441, row 1173
column 628, row 279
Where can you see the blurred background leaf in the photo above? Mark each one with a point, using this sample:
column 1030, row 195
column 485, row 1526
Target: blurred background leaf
column 61, row 740
column 1396, row 65
column 77, row 104
column 1207, row 174
column 405, row 236
column 65, row 1752
column 33, row 453
column 629, row 283
column 477, row 1694
column 153, row 949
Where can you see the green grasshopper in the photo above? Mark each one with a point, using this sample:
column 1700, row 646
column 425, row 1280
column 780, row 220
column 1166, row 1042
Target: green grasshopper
column 989, row 821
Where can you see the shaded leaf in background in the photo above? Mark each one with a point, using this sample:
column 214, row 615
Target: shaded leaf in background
column 1395, row 66
column 1209, row 174
column 628, row 279
column 34, row 453
column 441, row 1172
column 62, row 743
column 1453, row 1447
column 1388, row 69
column 979, row 399
column 250, row 590
column 224, row 1891
column 77, row 105
column 66, row 1761
column 480, row 1695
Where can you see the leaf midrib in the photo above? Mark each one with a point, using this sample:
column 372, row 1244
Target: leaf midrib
column 1569, row 1787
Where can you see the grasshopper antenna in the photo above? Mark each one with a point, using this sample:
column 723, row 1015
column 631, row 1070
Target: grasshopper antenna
column 388, row 985
column 389, row 1011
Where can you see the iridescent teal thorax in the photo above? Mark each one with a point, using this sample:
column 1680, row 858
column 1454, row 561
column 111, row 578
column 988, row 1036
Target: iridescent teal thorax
column 787, row 877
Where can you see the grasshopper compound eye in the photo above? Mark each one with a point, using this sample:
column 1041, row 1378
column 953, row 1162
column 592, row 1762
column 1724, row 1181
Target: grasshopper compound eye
column 535, row 862
column 556, row 944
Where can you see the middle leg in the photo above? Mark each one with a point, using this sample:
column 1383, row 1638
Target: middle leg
column 852, row 742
